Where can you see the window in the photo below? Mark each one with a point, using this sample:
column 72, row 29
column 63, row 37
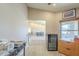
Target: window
column 69, row 30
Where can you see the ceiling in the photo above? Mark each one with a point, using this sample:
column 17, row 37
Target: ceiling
column 58, row 7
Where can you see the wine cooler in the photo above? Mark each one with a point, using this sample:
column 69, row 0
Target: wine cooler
column 52, row 42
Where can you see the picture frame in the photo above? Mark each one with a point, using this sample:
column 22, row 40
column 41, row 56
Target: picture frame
column 69, row 14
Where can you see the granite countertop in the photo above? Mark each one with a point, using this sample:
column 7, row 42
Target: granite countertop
column 18, row 46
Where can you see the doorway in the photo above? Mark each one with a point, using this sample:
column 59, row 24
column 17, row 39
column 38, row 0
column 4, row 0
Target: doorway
column 37, row 37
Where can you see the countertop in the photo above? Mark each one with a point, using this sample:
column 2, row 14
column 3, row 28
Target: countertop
column 18, row 46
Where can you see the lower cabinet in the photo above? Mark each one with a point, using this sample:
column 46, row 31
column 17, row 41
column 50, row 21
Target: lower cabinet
column 77, row 47
column 68, row 48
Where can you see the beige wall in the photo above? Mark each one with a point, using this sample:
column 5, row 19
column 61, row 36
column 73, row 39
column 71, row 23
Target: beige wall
column 13, row 21
column 53, row 24
column 36, row 14
column 52, row 19
column 58, row 17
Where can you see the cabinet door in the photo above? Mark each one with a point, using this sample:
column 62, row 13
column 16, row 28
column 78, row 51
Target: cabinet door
column 67, row 48
column 68, row 31
column 77, row 47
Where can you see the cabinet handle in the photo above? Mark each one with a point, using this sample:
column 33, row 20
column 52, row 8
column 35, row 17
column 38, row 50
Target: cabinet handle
column 68, row 42
column 68, row 48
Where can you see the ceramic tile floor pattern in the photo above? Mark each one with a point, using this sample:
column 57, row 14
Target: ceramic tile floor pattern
column 36, row 51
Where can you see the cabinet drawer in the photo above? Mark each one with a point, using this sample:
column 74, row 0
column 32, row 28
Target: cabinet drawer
column 66, row 48
column 70, row 46
column 68, row 51
column 77, row 50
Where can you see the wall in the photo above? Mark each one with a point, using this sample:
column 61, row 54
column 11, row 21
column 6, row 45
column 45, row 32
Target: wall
column 58, row 17
column 49, row 17
column 52, row 21
column 13, row 21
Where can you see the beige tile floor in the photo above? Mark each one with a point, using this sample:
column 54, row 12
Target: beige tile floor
column 36, row 51
column 38, row 48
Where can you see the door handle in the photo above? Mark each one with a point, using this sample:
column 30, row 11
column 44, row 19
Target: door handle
column 68, row 48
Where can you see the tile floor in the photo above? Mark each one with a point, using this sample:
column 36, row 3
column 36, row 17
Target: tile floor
column 38, row 48
column 36, row 51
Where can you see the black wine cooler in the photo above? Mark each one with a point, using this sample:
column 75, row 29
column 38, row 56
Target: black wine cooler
column 52, row 42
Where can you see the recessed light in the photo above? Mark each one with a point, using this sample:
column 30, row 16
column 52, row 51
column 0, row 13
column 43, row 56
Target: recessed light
column 54, row 4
